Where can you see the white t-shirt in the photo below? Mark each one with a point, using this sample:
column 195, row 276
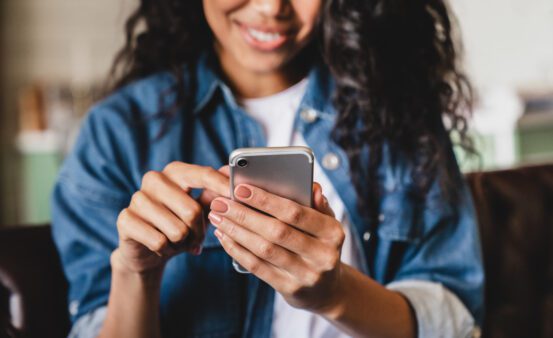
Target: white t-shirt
column 276, row 114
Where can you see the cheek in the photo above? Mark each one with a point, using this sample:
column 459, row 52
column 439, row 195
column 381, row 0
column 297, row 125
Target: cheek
column 217, row 14
column 307, row 13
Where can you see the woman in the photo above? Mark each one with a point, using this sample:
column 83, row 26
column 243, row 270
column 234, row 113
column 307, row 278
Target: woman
column 143, row 219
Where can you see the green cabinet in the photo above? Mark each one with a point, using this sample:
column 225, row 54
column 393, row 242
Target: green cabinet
column 38, row 174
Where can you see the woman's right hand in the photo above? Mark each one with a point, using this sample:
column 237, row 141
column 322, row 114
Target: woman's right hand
column 163, row 220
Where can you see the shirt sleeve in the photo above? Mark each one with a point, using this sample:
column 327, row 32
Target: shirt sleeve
column 93, row 186
column 434, row 238
column 89, row 325
column 438, row 311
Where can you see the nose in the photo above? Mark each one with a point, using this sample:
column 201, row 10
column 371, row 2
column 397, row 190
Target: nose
column 271, row 8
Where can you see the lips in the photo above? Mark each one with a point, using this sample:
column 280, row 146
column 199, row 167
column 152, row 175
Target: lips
column 264, row 39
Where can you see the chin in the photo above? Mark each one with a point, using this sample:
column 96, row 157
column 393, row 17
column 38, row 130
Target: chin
column 264, row 64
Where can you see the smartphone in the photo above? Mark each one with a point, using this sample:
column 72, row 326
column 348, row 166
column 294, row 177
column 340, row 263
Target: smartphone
column 283, row 171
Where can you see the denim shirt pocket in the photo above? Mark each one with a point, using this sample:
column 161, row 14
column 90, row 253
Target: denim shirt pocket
column 398, row 221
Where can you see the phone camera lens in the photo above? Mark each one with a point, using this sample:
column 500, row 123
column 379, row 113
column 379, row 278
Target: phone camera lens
column 242, row 162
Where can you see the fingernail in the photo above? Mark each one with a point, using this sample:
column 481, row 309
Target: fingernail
column 214, row 218
column 218, row 234
column 197, row 250
column 243, row 192
column 219, row 206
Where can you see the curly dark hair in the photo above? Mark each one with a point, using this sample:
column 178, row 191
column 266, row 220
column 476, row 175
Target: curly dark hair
column 397, row 73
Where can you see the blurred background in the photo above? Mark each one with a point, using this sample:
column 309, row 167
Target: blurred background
column 55, row 55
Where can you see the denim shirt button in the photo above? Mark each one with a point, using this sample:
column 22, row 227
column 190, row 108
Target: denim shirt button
column 73, row 307
column 331, row 161
column 381, row 218
column 366, row 236
column 308, row 115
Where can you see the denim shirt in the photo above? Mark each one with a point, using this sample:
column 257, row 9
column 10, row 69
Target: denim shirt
column 123, row 137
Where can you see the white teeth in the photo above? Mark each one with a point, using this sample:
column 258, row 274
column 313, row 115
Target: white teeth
column 262, row 36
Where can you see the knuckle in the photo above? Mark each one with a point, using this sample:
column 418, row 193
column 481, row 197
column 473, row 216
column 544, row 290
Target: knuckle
column 159, row 243
column 330, row 262
column 191, row 212
column 207, row 174
column 266, row 250
column 339, row 236
column 254, row 267
column 180, row 233
column 172, row 166
column 195, row 210
column 231, row 248
column 137, row 199
column 295, row 214
column 210, row 171
column 122, row 219
column 312, row 279
column 229, row 228
column 150, row 177
column 280, row 233
column 123, row 215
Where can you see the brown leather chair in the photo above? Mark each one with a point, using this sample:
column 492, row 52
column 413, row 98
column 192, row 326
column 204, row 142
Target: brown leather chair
column 515, row 212
column 32, row 285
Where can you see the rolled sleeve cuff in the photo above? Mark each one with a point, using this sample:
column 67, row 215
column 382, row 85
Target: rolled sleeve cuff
column 89, row 325
column 439, row 312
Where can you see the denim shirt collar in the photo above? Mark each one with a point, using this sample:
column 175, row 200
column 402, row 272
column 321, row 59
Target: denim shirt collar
column 207, row 81
column 318, row 95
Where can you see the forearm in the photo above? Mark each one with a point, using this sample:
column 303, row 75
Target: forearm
column 133, row 307
column 364, row 308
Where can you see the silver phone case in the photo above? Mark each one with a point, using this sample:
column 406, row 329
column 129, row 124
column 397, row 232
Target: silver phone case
column 283, row 171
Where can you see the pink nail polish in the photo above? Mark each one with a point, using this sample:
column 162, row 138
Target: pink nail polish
column 218, row 234
column 243, row 192
column 197, row 250
column 219, row 206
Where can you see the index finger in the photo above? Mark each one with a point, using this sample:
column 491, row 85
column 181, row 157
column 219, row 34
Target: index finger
column 192, row 176
column 207, row 195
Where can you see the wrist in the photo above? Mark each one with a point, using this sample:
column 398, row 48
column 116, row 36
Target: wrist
column 336, row 305
column 149, row 278
column 133, row 305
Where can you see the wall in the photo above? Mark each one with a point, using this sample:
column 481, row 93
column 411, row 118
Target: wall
column 54, row 41
column 509, row 43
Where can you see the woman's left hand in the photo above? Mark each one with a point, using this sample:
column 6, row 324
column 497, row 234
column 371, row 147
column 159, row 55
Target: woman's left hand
column 297, row 251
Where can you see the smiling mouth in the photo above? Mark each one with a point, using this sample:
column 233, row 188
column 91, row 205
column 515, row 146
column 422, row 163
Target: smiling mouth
column 264, row 39
column 263, row 36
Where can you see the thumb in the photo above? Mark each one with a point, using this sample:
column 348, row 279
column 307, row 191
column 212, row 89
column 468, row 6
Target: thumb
column 320, row 203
